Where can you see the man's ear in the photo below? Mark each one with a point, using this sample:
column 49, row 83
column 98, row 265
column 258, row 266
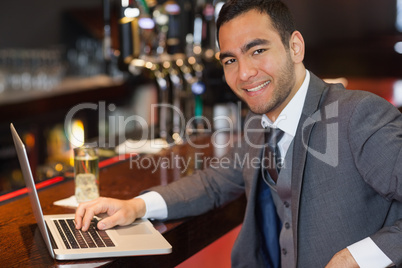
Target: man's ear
column 296, row 44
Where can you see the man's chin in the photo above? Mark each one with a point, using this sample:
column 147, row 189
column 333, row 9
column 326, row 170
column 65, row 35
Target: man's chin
column 258, row 110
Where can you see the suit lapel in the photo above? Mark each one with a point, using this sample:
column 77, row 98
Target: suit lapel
column 301, row 141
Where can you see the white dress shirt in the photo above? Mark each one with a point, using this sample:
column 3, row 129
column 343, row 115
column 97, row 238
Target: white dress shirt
column 366, row 253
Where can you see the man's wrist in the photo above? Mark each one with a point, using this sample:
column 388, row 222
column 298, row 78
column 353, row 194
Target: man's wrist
column 155, row 205
column 139, row 207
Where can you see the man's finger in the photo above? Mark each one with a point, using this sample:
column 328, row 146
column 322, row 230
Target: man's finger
column 86, row 211
column 86, row 220
column 79, row 214
column 110, row 222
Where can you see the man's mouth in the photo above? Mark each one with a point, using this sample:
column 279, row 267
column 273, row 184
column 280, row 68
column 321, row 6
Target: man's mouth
column 258, row 87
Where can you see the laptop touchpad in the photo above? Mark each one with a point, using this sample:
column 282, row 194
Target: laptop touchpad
column 137, row 229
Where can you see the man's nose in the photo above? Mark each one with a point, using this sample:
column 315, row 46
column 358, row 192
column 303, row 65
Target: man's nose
column 247, row 70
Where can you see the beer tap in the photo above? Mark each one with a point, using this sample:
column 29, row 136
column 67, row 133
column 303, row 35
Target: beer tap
column 198, row 88
column 210, row 37
column 173, row 34
column 173, row 48
column 107, row 40
column 137, row 35
column 194, row 60
column 162, row 80
column 161, row 20
column 188, row 79
column 177, row 90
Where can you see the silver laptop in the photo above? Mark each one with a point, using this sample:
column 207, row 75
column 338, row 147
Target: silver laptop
column 64, row 242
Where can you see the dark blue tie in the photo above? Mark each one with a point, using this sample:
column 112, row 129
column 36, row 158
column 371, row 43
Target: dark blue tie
column 267, row 216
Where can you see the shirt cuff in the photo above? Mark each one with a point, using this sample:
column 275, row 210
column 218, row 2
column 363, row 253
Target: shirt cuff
column 155, row 206
column 368, row 255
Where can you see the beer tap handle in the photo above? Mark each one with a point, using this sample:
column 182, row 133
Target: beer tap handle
column 177, row 84
column 163, row 84
column 173, row 41
column 107, row 40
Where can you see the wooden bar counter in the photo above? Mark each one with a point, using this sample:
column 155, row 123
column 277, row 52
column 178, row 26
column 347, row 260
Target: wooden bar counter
column 23, row 246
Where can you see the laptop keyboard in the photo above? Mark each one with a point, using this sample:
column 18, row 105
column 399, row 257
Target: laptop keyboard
column 73, row 238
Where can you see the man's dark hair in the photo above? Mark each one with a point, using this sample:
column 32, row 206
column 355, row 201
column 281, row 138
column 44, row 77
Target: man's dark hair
column 279, row 13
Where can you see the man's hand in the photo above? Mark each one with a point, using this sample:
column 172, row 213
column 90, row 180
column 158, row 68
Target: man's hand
column 120, row 212
column 342, row 259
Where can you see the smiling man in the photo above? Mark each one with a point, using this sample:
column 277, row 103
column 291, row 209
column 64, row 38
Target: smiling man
column 260, row 69
column 334, row 199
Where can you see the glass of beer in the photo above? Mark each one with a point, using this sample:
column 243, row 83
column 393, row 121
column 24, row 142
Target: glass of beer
column 86, row 173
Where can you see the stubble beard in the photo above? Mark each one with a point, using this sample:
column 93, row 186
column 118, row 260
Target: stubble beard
column 284, row 85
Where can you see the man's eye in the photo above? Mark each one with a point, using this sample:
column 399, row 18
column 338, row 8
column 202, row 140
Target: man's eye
column 228, row 62
column 259, row 51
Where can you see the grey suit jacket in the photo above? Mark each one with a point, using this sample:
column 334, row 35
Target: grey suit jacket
column 346, row 179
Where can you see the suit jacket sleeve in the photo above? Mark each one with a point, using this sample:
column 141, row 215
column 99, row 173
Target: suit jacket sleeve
column 375, row 135
column 206, row 189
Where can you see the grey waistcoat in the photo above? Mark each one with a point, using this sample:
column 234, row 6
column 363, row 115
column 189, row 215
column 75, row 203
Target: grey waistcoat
column 281, row 193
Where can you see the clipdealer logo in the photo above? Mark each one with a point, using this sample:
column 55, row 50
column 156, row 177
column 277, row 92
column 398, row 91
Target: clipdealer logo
column 331, row 154
column 328, row 116
column 117, row 124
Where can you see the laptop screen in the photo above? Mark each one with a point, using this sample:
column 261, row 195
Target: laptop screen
column 29, row 181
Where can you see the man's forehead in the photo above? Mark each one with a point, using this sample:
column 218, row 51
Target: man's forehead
column 251, row 21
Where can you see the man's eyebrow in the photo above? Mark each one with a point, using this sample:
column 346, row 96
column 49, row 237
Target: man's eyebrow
column 245, row 48
column 223, row 55
column 255, row 42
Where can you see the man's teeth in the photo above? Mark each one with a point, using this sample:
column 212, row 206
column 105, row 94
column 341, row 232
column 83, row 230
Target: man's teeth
column 259, row 87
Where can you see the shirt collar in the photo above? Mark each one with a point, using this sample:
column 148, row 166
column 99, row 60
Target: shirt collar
column 289, row 118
